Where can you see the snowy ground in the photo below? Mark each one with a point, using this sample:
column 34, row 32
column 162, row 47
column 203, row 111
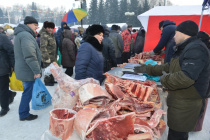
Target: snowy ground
column 13, row 129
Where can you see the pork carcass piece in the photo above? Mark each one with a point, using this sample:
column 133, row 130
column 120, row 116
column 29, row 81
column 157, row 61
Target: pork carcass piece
column 90, row 91
column 61, row 122
column 83, row 119
column 155, row 119
column 142, row 136
column 159, row 130
column 114, row 128
column 114, row 90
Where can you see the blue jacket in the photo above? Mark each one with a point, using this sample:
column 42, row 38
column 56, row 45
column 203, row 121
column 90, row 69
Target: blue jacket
column 59, row 34
column 167, row 40
column 90, row 61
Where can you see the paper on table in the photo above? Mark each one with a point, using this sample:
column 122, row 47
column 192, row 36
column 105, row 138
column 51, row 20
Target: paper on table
column 134, row 77
column 131, row 65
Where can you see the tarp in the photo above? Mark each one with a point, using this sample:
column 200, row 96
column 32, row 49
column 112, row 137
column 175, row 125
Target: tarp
column 150, row 20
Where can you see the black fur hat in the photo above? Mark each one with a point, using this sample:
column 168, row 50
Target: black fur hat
column 188, row 27
column 49, row 25
column 94, row 29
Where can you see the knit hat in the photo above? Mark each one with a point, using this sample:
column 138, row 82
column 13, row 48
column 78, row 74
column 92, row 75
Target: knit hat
column 30, row 20
column 76, row 30
column 95, row 29
column 188, row 27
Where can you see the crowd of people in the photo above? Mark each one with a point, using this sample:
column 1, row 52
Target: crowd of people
column 96, row 50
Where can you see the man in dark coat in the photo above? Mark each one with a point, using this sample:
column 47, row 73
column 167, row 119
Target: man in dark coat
column 90, row 61
column 68, row 53
column 166, row 40
column 108, row 51
column 186, row 78
column 6, row 64
column 117, row 42
column 139, row 43
column 59, row 35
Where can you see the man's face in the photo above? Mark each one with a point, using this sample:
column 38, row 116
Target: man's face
column 64, row 25
column 33, row 26
column 161, row 28
column 179, row 37
column 49, row 30
column 1, row 30
column 76, row 33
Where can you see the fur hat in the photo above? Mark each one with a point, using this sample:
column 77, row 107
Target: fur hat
column 95, row 29
column 188, row 27
column 30, row 20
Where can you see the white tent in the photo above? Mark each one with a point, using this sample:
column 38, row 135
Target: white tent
column 170, row 11
column 150, row 20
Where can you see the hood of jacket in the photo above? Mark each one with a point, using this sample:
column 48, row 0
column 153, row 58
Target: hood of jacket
column 67, row 34
column 168, row 22
column 22, row 28
column 63, row 22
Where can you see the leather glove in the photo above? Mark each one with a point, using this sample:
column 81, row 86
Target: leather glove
column 164, row 74
column 140, row 69
column 152, row 53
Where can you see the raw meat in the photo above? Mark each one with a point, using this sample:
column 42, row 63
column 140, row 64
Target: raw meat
column 155, row 119
column 114, row 90
column 61, row 122
column 142, row 136
column 83, row 119
column 114, row 128
column 90, row 91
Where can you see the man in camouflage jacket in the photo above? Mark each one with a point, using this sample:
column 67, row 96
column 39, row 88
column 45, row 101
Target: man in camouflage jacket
column 48, row 49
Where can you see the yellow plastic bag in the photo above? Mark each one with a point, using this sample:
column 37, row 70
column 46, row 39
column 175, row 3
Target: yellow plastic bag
column 15, row 84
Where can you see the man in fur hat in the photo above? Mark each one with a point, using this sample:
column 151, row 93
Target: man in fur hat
column 48, row 49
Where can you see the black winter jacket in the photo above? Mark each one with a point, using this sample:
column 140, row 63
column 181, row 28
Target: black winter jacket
column 6, row 55
column 108, row 52
column 139, row 43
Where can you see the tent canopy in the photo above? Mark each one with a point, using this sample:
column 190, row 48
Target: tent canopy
column 150, row 20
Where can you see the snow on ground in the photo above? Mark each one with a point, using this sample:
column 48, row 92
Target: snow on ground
column 13, row 129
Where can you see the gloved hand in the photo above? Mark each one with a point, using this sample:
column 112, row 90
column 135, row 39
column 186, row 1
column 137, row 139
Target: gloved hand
column 152, row 53
column 140, row 69
column 47, row 61
column 164, row 74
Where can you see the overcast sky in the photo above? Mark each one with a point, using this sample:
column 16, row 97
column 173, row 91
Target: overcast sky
column 68, row 4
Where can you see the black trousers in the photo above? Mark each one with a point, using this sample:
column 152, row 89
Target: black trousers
column 4, row 91
column 49, row 79
column 126, row 56
column 119, row 60
column 175, row 135
column 69, row 71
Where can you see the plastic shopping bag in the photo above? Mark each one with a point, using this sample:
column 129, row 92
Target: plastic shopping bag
column 41, row 98
column 15, row 84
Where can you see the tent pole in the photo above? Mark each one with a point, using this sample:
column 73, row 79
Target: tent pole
column 201, row 19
